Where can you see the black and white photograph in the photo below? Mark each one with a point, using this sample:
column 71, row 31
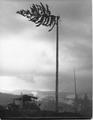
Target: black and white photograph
column 45, row 59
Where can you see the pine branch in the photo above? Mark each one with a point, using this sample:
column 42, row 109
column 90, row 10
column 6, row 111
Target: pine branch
column 40, row 15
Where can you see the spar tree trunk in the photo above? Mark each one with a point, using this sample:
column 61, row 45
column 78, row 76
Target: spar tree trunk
column 57, row 66
column 41, row 15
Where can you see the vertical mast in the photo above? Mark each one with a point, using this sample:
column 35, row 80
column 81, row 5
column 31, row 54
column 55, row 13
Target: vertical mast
column 75, row 82
column 75, row 105
column 57, row 55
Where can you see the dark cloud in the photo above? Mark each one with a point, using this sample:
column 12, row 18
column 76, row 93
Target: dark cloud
column 82, row 52
column 10, row 22
column 73, row 9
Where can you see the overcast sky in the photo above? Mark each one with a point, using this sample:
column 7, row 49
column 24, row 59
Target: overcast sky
column 27, row 53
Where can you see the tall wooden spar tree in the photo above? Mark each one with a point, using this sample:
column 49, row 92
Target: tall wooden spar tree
column 41, row 15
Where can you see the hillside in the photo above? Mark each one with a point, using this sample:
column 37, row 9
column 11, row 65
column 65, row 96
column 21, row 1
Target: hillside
column 6, row 98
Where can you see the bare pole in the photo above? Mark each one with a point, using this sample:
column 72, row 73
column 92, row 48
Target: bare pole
column 75, row 91
column 75, row 82
column 57, row 64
